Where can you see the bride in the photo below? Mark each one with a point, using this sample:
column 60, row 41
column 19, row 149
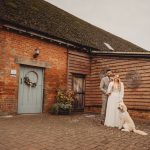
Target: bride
column 116, row 93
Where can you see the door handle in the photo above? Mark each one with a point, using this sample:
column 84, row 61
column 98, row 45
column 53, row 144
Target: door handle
column 21, row 80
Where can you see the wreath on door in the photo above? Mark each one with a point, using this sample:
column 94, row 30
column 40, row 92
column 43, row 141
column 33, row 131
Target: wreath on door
column 28, row 81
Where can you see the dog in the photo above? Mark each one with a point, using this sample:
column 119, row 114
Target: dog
column 126, row 122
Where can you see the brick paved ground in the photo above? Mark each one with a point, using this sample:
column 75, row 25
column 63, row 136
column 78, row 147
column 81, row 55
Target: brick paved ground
column 75, row 132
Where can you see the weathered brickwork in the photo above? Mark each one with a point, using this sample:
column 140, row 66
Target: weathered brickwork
column 14, row 45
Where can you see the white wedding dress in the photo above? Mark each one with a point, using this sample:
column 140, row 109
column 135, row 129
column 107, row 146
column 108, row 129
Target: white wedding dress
column 112, row 112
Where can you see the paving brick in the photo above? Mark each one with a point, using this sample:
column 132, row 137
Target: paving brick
column 47, row 132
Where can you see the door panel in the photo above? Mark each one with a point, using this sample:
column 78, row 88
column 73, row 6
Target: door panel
column 30, row 98
column 79, row 89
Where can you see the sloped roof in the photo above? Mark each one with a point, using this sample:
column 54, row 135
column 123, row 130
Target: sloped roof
column 46, row 18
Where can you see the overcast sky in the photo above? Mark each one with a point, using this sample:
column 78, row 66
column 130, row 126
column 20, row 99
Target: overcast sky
column 129, row 19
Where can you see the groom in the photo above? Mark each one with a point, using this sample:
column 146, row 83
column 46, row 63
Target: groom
column 103, row 87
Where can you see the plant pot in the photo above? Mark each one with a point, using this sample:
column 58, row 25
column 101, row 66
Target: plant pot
column 63, row 111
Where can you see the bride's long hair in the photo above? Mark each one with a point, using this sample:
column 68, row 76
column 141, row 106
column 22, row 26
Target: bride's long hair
column 116, row 83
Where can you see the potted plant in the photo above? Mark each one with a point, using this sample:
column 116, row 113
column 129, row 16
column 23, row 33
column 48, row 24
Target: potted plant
column 64, row 100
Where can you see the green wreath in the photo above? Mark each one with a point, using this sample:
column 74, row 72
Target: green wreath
column 28, row 82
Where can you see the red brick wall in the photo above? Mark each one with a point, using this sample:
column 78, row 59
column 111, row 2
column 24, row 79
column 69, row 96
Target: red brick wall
column 14, row 45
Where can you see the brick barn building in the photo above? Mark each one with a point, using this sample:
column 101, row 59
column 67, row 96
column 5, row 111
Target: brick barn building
column 58, row 50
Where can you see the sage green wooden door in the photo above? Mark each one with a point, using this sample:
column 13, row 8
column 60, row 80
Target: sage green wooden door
column 30, row 97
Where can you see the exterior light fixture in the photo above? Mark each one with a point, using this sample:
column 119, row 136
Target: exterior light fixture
column 36, row 53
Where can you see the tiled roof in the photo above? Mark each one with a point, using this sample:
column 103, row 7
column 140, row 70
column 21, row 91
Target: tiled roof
column 46, row 18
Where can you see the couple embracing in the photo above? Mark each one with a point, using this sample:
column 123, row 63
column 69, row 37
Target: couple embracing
column 112, row 94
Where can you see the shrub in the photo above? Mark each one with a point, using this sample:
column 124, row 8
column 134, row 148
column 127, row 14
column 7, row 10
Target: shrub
column 64, row 100
column 64, row 96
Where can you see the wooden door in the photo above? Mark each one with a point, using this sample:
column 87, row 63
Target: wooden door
column 79, row 89
column 30, row 97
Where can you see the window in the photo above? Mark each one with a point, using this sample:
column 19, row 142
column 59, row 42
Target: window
column 108, row 46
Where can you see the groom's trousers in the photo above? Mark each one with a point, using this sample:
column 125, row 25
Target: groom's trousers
column 103, row 108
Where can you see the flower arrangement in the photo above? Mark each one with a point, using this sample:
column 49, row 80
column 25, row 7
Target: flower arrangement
column 64, row 100
column 65, row 96
column 28, row 82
